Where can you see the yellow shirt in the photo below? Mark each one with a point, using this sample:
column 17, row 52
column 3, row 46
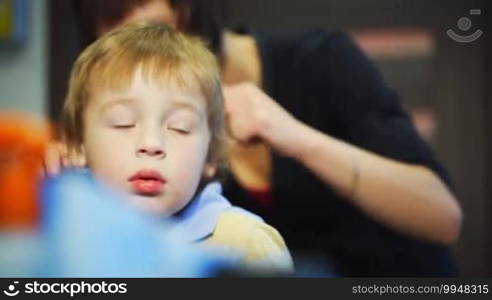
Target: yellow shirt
column 239, row 235
column 257, row 244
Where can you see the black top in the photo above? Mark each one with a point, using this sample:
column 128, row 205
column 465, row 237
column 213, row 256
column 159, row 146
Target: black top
column 325, row 81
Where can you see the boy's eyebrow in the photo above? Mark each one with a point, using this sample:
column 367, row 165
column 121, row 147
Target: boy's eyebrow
column 186, row 105
column 107, row 106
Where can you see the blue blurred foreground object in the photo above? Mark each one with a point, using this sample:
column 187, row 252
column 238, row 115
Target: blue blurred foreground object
column 86, row 230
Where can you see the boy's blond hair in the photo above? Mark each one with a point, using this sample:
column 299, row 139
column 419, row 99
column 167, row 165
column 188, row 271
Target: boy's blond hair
column 162, row 54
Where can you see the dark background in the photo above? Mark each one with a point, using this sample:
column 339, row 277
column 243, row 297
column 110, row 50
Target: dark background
column 454, row 80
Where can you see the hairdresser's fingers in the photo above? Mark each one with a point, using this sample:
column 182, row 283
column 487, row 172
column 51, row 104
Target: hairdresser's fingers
column 68, row 158
column 66, row 161
column 253, row 115
column 238, row 113
column 238, row 98
column 52, row 160
column 77, row 160
column 247, row 109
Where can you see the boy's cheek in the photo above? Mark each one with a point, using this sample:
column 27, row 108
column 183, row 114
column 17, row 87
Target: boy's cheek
column 187, row 171
column 103, row 140
column 107, row 155
column 191, row 153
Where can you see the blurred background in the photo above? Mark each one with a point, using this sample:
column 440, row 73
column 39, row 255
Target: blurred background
column 444, row 83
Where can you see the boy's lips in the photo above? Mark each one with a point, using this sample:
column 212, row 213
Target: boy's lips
column 147, row 182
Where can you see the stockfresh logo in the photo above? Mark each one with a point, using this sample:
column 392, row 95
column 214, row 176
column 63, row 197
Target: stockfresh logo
column 11, row 290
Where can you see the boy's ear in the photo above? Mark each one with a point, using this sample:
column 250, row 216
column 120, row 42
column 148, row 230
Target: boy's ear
column 210, row 170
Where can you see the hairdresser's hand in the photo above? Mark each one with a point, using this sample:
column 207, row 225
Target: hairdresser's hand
column 252, row 115
column 57, row 157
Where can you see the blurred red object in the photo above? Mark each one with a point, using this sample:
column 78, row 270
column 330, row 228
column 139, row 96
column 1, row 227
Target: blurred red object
column 22, row 144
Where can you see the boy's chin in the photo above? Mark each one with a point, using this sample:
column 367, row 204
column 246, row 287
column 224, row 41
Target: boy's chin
column 152, row 205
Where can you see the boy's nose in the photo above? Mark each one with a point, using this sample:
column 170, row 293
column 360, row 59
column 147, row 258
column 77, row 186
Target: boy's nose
column 151, row 151
column 150, row 143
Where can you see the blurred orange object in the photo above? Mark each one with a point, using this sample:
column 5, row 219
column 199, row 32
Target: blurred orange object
column 22, row 144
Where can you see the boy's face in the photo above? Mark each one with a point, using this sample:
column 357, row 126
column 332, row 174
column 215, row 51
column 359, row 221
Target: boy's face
column 150, row 140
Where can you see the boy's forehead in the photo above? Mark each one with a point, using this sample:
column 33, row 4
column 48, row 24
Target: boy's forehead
column 180, row 84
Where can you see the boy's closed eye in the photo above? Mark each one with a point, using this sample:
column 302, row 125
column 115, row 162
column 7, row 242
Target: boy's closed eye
column 183, row 123
column 123, row 126
column 120, row 118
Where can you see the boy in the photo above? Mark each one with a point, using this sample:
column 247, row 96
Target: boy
column 144, row 111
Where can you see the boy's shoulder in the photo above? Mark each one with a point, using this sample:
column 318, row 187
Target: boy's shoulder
column 241, row 235
column 259, row 242
column 239, row 225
